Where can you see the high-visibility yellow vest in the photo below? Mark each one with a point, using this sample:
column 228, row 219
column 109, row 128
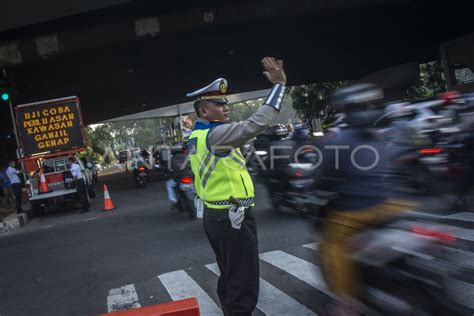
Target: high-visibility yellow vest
column 218, row 177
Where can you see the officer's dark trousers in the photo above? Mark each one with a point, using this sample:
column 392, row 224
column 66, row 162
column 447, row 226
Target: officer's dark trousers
column 82, row 191
column 16, row 188
column 236, row 253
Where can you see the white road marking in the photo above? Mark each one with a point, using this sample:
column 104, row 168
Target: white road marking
column 122, row 298
column 90, row 219
column 271, row 300
column 299, row 268
column 180, row 286
column 313, row 246
column 465, row 216
column 462, row 233
column 47, row 226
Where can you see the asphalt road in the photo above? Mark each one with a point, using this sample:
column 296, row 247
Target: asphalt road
column 85, row 264
column 65, row 263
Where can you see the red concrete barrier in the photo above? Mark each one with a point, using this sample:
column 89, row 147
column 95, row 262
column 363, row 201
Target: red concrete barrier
column 186, row 307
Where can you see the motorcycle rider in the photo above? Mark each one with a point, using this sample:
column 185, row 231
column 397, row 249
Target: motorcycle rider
column 355, row 165
column 263, row 145
column 281, row 150
column 281, row 147
column 137, row 162
column 145, row 153
column 178, row 169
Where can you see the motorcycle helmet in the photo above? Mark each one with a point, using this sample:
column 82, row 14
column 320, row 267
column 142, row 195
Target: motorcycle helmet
column 358, row 103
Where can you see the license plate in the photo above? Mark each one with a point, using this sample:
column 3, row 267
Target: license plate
column 301, row 183
column 186, row 186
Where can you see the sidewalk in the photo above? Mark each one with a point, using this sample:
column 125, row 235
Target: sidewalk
column 12, row 221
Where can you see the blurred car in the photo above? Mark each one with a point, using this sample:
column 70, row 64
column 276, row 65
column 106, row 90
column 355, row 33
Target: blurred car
column 425, row 120
column 420, row 117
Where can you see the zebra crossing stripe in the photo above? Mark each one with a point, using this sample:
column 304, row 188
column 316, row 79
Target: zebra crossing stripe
column 122, row 298
column 465, row 216
column 180, row 286
column 314, row 246
column 272, row 301
column 299, row 268
column 461, row 233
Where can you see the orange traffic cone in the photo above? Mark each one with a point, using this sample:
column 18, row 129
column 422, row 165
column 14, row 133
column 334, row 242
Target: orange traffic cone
column 43, row 187
column 108, row 205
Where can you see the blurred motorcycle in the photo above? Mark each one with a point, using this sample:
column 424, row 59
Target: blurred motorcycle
column 181, row 180
column 295, row 188
column 185, row 194
column 141, row 176
column 435, row 157
column 403, row 267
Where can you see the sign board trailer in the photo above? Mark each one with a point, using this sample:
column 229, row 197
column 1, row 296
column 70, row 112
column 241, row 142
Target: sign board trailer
column 50, row 126
column 50, row 132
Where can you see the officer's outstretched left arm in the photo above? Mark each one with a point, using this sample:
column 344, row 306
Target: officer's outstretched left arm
column 237, row 133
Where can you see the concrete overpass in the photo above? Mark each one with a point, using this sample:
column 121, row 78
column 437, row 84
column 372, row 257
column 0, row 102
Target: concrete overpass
column 123, row 56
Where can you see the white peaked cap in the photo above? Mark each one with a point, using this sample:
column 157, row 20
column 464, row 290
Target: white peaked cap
column 215, row 92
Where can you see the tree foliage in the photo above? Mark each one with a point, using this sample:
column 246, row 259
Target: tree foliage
column 309, row 100
column 127, row 134
column 430, row 83
column 243, row 110
column 146, row 132
column 99, row 138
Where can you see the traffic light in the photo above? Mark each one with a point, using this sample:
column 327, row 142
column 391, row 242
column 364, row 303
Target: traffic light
column 5, row 91
column 5, row 96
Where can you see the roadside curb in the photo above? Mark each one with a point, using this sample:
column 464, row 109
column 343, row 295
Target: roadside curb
column 13, row 222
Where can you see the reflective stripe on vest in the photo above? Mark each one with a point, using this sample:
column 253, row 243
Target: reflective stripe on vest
column 218, row 178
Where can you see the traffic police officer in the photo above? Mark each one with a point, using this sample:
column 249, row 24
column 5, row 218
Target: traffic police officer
column 224, row 187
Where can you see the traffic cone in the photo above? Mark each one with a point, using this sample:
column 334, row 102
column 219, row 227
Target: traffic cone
column 43, row 187
column 108, row 205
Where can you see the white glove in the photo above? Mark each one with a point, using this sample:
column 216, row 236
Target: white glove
column 236, row 216
column 199, row 204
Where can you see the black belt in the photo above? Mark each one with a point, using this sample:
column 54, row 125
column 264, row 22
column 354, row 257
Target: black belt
column 243, row 202
column 220, row 215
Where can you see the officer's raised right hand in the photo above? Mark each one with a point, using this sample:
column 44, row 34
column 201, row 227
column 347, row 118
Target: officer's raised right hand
column 274, row 70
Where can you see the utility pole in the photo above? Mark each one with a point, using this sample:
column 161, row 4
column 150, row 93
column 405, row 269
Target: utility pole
column 19, row 151
column 10, row 104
